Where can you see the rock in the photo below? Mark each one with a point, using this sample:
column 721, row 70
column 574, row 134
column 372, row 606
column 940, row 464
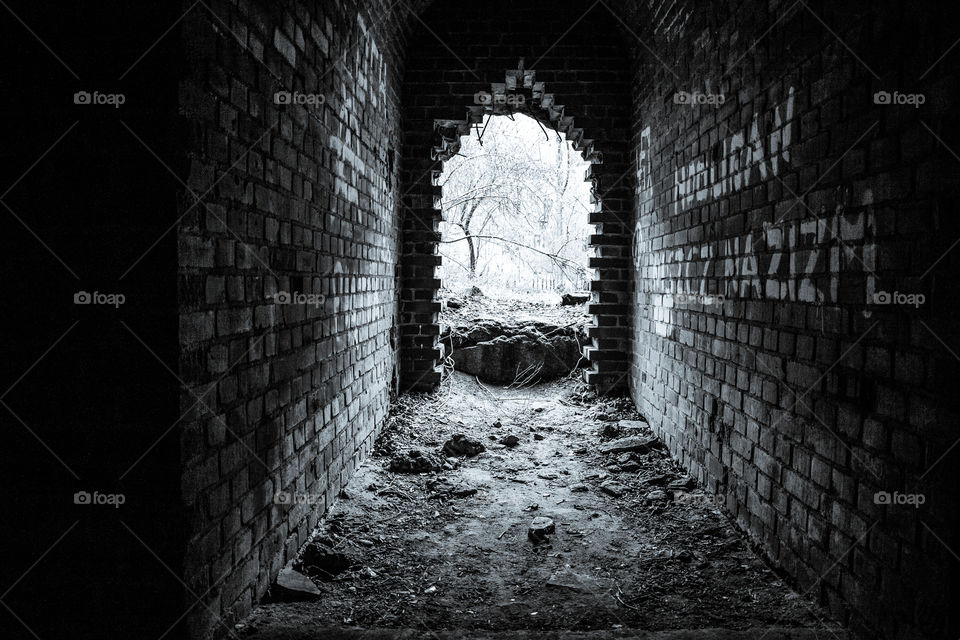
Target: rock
column 631, row 467
column 624, row 458
column 510, row 440
column 537, row 436
column 497, row 424
column 640, row 444
column 633, row 425
column 540, row 528
column 463, row 493
column 475, row 291
column 461, row 445
column 323, row 562
column 656, row 496
column 682, row 483
column 499, row 352
column 579, row 488
column 293, row 586
column 614, row 489
column 565, row 579
column 656, row 479
column 454, row 303
column 610, row 430
column 570, row 299
column 415, row 461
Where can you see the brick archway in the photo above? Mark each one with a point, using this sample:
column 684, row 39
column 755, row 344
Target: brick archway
column 519, row 93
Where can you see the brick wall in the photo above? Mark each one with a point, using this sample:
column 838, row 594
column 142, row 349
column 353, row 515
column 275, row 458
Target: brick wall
column 576, row 80
column 765, row 226
column 287, row 278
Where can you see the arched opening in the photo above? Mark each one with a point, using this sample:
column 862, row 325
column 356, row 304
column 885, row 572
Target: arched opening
column 422, row 352
column 514, row 251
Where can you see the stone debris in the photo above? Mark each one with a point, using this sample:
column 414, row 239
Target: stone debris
column 579, row 488
column 639, row 444
column 461, row 445
column 571, row 299
column 656, row 495
column 681, row 484
column 320, row 561
column 503, row 352
column 510, row 440
column 614, row 489
column 540, row 528
column 415, row 461
column 293, row 586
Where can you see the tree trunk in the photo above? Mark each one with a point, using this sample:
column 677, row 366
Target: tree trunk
column 473, row 256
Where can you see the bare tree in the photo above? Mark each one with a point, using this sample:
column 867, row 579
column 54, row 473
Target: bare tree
column 513, row 196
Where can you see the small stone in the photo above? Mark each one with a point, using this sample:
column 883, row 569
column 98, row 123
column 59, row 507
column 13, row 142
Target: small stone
column 461, row 445
column 497, row 424
column 572, row 299
column 630, row 467
column 367, row 572
column 579, row 488
column 537, row 436
column 293, row 586
column 322, row 561
column 415, row 461
column 631, row 443
column 614, row 489
column 510, row 440
column 684, row 482
column 540, row 528
column 656, row 496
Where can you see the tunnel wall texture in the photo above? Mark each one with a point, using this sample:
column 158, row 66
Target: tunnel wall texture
column 766, row 225
column 286, row 281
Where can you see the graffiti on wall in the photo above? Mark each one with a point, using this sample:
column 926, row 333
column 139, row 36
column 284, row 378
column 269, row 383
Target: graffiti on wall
column 794, row 260
column 735, row 162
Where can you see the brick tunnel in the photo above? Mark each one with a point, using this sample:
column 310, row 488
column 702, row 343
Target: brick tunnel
column 222, row 225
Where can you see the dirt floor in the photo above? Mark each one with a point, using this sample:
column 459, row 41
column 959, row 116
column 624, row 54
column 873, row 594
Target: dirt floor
column 636, row 545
